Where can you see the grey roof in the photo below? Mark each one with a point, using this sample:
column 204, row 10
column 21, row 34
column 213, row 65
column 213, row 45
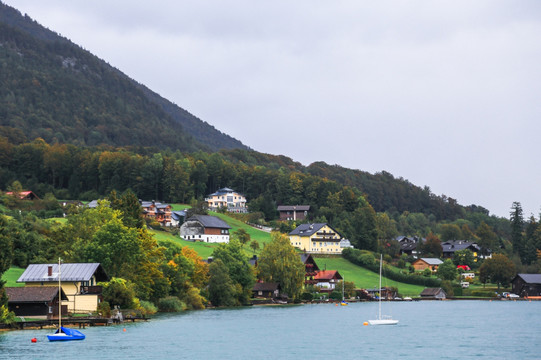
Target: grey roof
column 307, row 229
column 209, row 221
column 270, row 286
column 177, row 215
column 432, row 291
column 432, row 261
column 531, row 278
column 457, row 245
column 93, row 204
column 30, row 294
column 294, row 207
column 224, row 191
column 69, row 272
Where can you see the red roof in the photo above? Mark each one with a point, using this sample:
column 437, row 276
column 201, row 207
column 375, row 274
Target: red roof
column 24, row 194
column 327, row 275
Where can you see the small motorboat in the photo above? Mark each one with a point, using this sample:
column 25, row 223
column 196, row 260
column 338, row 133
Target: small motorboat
column 66, row 334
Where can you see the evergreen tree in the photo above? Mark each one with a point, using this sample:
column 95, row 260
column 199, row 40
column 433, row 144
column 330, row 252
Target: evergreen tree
column 517, row 227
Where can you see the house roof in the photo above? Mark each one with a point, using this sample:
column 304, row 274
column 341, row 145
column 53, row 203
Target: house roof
column 294, row 207
column 431, row 261
column 308, row 229
column 177, row 215
column 432, row 291
column 69, row 272
column 30, row 294
column 530, row 278
column 210, row 221
column 270, row 286
column 457, row 245
column 224, row 191
column 25, row 194
column 327, row 275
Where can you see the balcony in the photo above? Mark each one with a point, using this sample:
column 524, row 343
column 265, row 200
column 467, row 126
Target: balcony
column 91, row 290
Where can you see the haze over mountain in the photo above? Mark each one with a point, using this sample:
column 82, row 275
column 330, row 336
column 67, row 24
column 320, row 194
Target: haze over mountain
column 52, row 88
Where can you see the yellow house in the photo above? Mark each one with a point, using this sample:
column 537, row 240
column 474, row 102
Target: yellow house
column 78, row 281
column 316, row 239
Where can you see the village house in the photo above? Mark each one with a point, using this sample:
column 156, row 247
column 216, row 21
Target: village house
column 205, row 228
column 527, row 285
column 35, row 301
column 310, row 269
column 316, row 239
column 327, row 280
column 227, row 198
column 427, row 263
column 450, row 247
column 79, row 283
column 433, row 293
column 293, row 212
column 177, row 218
column 270, row 290
column 24, row 195
column 408, row 245
column 157, row 211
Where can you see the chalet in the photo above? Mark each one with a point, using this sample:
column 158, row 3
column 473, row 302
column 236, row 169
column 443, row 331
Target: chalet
column 35, row 301
column 527, row 285
column 433, row 293
column 293, row 212
column 24, row 195
column 450, row 247
column 157, row 211
column 227, row 198
column 205, row 228
column 408, row 245
column 327, row 280
column 310, row 269
column 79, row 282
column 316, row 239
column 427, row 263
column 269, row 290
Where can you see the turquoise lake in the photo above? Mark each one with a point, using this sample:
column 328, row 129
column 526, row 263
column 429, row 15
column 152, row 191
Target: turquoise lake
column 427, row 330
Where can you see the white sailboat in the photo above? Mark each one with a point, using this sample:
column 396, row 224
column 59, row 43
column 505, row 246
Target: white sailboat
column 382, row 319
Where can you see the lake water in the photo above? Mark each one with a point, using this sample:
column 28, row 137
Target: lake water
column 427, row 330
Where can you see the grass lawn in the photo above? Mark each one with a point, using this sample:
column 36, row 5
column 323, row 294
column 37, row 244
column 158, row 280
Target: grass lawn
column 11, row 276
column 364, row 278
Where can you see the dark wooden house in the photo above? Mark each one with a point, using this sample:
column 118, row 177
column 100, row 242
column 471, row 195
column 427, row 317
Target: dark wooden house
column 268, row 290
column 527, row 285
column 39, row 301
column 293, row 212
column 310, row 268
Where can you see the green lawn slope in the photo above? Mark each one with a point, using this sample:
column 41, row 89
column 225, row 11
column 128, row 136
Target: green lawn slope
column 11, row 276
column 364, row 278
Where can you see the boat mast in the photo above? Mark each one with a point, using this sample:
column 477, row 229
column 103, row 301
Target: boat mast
column 380, row 263
column 59, row 298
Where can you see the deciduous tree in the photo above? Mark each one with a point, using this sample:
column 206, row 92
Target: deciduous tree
column 279, row 262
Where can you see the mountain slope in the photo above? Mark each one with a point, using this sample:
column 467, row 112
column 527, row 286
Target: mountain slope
column 51, row 88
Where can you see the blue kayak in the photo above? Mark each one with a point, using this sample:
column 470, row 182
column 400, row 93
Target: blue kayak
column 66, row 334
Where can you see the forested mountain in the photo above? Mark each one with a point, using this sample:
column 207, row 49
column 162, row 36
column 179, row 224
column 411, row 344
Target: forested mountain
column 53, row 89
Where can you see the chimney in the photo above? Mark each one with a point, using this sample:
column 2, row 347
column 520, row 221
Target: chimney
column 50, row 271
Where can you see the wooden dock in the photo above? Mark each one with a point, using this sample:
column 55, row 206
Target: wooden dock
column 82, row 323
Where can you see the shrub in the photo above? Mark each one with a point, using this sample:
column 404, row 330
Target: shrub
column 171, row 304
column 104, row 309
column 147, row 308
column 306, row 296
column 336, row 295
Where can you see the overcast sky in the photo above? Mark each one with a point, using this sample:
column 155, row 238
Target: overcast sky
column 443, row 93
